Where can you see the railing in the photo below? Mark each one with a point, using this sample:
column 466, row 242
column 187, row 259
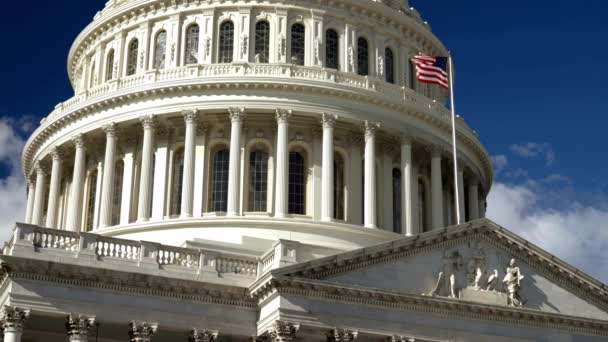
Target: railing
column 55, row 239
column 184, row 257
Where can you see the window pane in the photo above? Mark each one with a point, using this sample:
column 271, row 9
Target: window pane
column 110, row 65
column 397, row 201
column 298, row 36
column 160, row 50
column 262, row 42
column 90, row 210
column 338, row 187
column 362, row 57
column 117, row 192
column 297, row 184
column 226, row 45
column 192, row 35
column 132, row 57
column 176, row 184
column 389, row 66
column 258, row 180
column 219, row 199
column 332, row 51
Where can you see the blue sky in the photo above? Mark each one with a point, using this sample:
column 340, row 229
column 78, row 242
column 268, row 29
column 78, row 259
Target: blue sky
column 530, row 78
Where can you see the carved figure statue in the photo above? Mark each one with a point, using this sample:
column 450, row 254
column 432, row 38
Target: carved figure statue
column 446, row 281
column 512, row 281
column 492, row 281
column 478, row 276
column 476, row 267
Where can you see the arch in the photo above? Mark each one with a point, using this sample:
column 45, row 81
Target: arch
column 160, row 49
column 192, row 39
column 332, row 49
column 262, row 42
column 226, row 42
column 339, row 187
column 119, row 168
column 389, row 65
column 219, row 177
column 109, row 65
column 177, row 178
column 89, row 213
column 362, row 56
column 298, row 43
column 297, row 182
column 397, row 226
column 132, row 57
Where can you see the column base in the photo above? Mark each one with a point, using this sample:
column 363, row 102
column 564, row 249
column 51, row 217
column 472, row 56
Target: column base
column 185, row 216
column 371, row 226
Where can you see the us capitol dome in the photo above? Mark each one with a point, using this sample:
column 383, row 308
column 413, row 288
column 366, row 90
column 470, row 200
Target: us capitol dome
column 227, row 170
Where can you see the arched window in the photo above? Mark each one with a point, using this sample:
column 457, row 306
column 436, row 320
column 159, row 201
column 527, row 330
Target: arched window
column 262, row 41
column 160, row 49
column 258, row 181
column 226, row 45
column 192, row 36
column 389, row 65
column 90, row 201
column 176, row 182
column 297, row 184
column 92, row 77
column 117, row 193
column 219, row 187
column 397, row 228
column 332, row 50
column 110, row 65
column 422, row 195
column 339, row 182
column 298, row 47
column 132, row 57
column 362, row 57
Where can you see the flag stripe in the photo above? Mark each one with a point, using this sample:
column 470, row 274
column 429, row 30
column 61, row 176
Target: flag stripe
column 431, row 70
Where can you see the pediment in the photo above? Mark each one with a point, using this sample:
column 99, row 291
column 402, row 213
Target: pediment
column 469, row 263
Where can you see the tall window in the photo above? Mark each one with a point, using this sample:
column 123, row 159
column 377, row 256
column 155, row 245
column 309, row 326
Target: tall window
column 422, row 206
column 92, row 77
column 219, row 192
column 110, row 65
column 362, row 57
column 412, row 75
column 226, row 45
column 262, row 41
column 332, row 50
column 297, row 184
column 298, row 39
column 90, row 202
column 389, row 66
column 397, row 201
column 132, row 57
column 192, row 35
column 117, row 194
column 160, row 50
column 338, row 187
column 258, row 180
column 176, row 183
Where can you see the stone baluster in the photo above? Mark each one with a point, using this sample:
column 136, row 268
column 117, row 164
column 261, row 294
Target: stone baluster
column 142, row 331
column 282, row 175
column 203, row 335
column 109, row 167
column 436, row 188
column 39, row 195
column 78, row 181
column 191, row 120
column 327, row 178
column 407, row 195
column 369, row 217
column 31, row 190
column 13, row 319
column 147, row 156
column 341, row 335
column 78, row 327
column 237, row 115
column 473, row 199
column 283, row 331
column 54, row 189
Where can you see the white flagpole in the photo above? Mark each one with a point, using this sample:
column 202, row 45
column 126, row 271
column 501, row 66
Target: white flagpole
column 456, row 192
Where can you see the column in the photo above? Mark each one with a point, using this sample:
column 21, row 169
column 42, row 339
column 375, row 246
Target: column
column 369, row 209
column 98, row 183
column 327, row 172
column 39, row 194
column 13, row 319
column 191, row 119
column 237, row 115
column 473, row 200
column 282, row 173
column 161, row 164
column 78, row 180
column 461, row 208
column 199, row 170
column 78, row 327
column 145, row 179
column 203, row 335
column 142, row 331
column 107, row 186
column 126, row 202
column 407, row 195
column 31, row 190
column 55, row 188
column 417, row 220
column 436, row 188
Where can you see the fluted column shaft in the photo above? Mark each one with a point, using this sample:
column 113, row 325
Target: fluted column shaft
column 31, row 191
column 436, row 189
column 190, row 118
column 145, row 179
column 282, row 174
column 473, row 201
column 461, row 195
column 107, row 187
column 369, row 209
column 37, row 212
column 78, row 180
column 327, row 172
column 407, row 195
column 12, row 320
column 54, row 189
column 237, row 115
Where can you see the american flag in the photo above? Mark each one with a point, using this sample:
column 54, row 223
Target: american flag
column 432, row 69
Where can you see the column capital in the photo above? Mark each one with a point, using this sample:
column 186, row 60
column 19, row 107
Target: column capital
column 79, row 140
column 13, row 317
column 237, row 114
column 342, row 335
column 57, row 154
column 370, row 128
column 283, row 331
column 78, row 326
column 328, row 120
column 283, row 115
column 406, row 138
column 435, row 150
column 110, row 130
column 40, row 168
column 397, row 338
column 148, row 121
column 190, row 116
column 142, row 331
column 203, row 335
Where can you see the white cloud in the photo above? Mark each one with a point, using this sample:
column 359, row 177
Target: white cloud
column 533, row 150
column 500, row 162
column 577, row 234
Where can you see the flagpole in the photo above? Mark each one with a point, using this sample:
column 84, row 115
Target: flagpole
column 456, row 187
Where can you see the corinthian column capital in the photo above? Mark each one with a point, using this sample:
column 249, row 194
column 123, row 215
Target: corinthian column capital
column 328, row 120
column 342, row 335
column 78, row 326
column 79, row 141
column 110, row 130
column 203, row 335
column 283, row 115
column 57, row 154
column 283, row 331
column 142, row 331
column 371, row 128
column 237, row 114
column 41, row 169
column 148, row 121
column 13, row 317
column 190, row 116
